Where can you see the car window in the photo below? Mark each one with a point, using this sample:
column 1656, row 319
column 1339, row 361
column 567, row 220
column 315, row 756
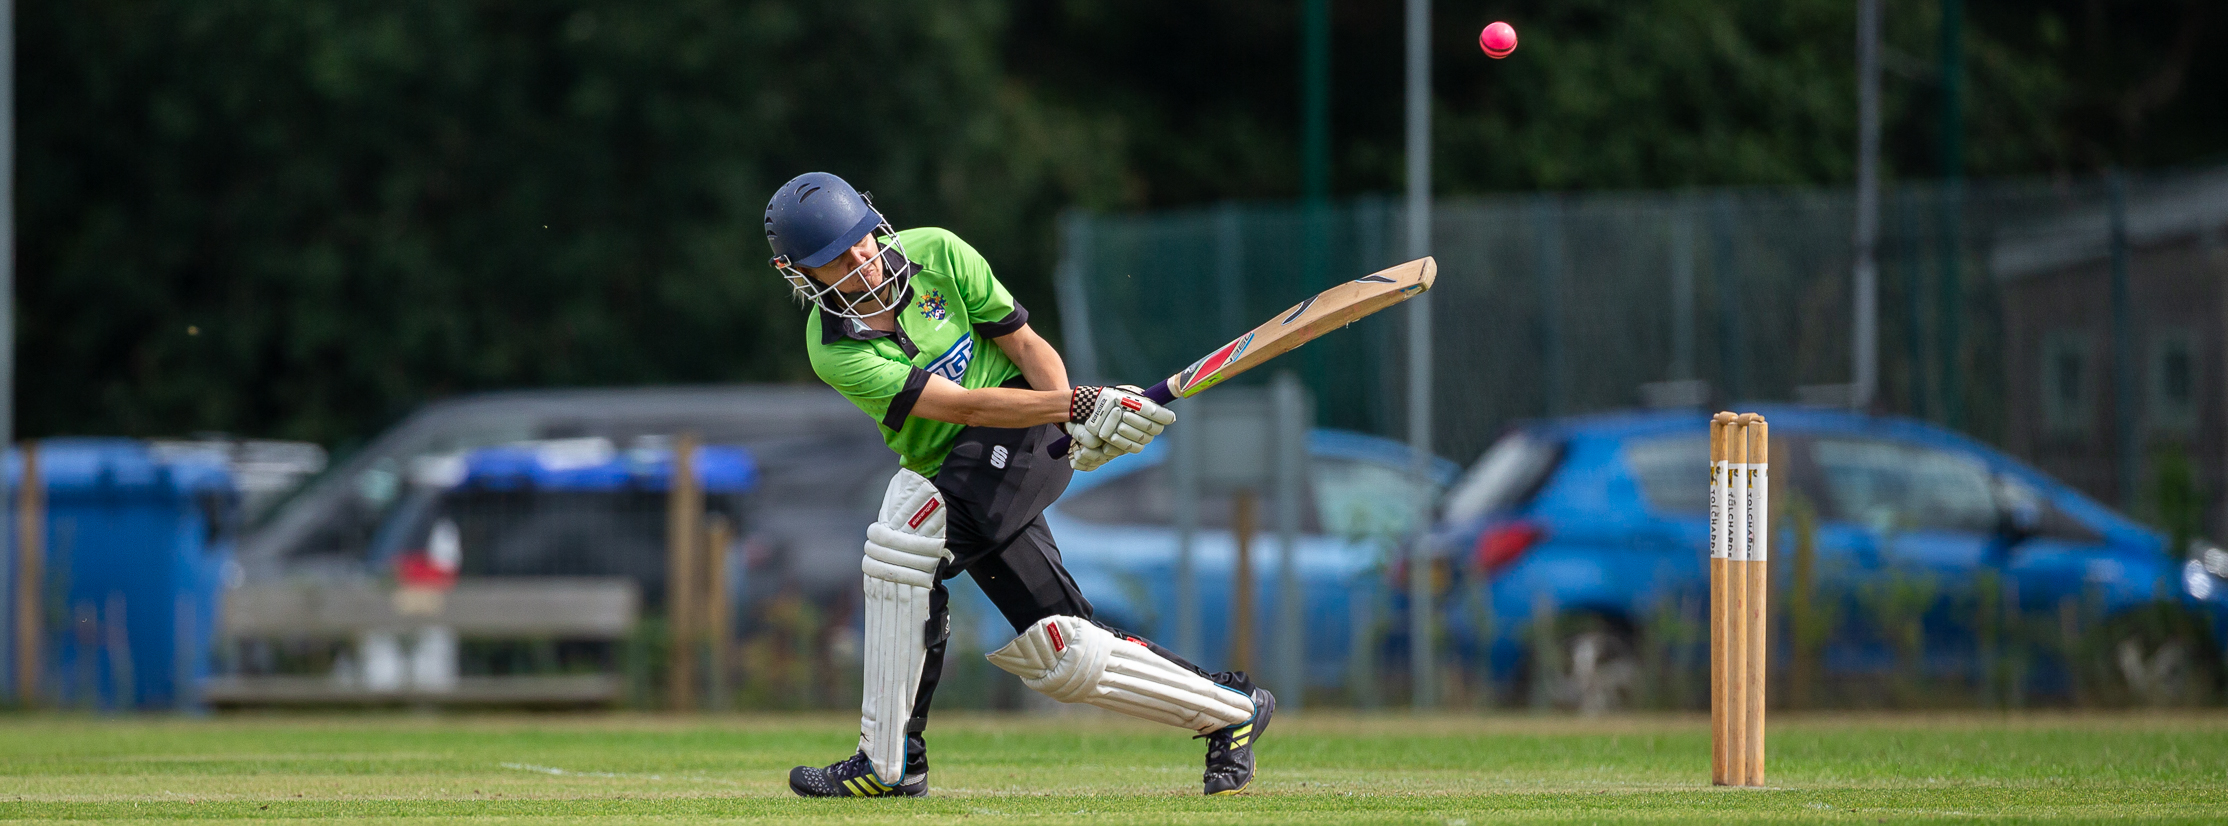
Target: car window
column 1889, row 486
column 1507, row 473
column 1673, row 472
column 1358, row 499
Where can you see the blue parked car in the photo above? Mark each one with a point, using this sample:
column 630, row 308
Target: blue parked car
column 1117, row 535
column 1599, row 524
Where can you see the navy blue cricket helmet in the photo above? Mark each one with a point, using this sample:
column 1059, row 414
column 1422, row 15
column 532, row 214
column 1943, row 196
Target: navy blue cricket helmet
column 810, row 221
column 814, row 217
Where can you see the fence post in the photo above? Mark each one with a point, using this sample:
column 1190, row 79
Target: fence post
column 1185, row 445
column 1418, row 105
column 2123, row 353
column 1072, row 277
column 684, row 514
column 30, row 579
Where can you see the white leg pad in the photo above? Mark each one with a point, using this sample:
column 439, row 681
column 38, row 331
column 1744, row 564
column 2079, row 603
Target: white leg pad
column 903, row 547
column 1073, row 661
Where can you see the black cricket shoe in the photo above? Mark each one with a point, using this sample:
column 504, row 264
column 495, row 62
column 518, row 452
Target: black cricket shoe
column 1230, row 750
column 855, row 777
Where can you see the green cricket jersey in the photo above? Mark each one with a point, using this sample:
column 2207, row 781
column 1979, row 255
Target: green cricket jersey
column 952, row 309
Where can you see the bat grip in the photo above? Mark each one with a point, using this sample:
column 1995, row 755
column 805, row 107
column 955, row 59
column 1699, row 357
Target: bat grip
column 1159, row 393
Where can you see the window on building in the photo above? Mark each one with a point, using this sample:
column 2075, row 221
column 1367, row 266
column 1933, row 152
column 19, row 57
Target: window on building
column 2068, row 392
column 2173, row 380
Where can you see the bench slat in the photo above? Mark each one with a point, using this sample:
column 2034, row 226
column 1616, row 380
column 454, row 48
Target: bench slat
column 596, row 608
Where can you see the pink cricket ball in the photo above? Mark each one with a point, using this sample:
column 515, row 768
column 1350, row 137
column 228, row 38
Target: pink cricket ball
column 1498, row 40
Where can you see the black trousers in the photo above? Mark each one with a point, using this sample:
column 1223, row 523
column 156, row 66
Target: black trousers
column 996, row 484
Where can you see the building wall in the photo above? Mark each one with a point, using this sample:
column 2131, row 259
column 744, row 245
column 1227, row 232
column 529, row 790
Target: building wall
column 2063, row 403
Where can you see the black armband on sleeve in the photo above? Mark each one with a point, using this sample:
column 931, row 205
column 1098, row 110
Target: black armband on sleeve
column 1005, row 326
column 901, row 405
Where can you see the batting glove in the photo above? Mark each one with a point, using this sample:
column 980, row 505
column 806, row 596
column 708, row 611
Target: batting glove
column 1119, row 416
column 1089, row 459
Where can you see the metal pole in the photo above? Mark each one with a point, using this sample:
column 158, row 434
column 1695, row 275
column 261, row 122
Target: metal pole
column 1419, row 350
column 1315, row 101
column 7, row 222
column 1682, row 291
column 2123, row 350
column 1866, row 329
column 1315, row 165
column 1952, row 209
column 1290, row 409
column 1230, row 271
column 1547, row 225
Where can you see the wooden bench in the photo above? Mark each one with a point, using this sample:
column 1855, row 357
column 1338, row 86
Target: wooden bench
column 539, row 608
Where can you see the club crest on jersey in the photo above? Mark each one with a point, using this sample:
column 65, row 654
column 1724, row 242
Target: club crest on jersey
column 953, row 363
column 933, row 307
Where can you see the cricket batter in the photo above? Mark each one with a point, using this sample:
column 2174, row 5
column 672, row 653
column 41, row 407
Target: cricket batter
column 899, row 323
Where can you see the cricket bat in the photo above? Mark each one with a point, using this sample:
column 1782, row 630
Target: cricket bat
column 1327, row 311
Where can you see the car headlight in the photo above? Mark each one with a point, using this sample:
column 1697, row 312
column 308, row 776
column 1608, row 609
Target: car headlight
column 2210, row 555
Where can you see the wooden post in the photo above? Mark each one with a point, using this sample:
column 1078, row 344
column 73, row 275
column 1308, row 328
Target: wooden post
column 718, row 620
column 30, row 555
column 1719, row 547
column 1241, row 584
column 1736, row 591
column 684, row 514
column 1757, row 619
column 1740, row 539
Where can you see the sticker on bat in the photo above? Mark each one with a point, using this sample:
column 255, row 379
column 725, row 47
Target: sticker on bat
column 1296, row 311
column 1200, row 375
column 1374, row 278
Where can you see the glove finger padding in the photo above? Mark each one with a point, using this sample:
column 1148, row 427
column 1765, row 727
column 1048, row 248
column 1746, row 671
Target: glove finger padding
column 1091, row 459
column 1131, row 438
column 1159, row 414
column 1082, row 438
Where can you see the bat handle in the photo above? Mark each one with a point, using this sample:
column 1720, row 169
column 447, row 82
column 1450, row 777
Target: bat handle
column 1159, row 393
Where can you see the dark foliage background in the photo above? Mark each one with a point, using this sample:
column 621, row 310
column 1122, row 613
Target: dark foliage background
column 302, row 218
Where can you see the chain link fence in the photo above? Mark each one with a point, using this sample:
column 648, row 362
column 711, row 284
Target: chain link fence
column 1998, row 314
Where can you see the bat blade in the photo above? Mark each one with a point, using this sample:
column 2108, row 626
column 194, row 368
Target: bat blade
column 1301, row 323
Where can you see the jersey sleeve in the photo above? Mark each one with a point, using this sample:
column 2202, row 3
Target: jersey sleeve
column 991, row 309
column 884, row 388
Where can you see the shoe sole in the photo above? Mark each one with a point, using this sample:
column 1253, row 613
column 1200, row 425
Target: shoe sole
column 901, row 793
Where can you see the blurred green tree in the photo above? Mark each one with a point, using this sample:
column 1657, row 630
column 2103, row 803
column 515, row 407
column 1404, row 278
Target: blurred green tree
column 305, row 217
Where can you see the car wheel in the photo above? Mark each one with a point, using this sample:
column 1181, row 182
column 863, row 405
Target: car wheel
column 1593, row 667
column 2155, row 658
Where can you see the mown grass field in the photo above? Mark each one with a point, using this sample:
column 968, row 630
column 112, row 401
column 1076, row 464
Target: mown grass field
column 1323, row 768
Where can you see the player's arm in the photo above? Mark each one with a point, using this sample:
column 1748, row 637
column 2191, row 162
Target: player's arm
column 945, row 401
column 1039, row 363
